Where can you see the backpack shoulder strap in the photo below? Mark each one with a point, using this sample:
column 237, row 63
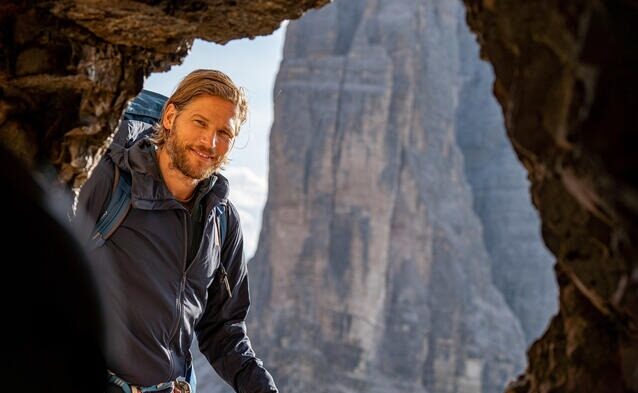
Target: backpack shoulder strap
column 117, row 208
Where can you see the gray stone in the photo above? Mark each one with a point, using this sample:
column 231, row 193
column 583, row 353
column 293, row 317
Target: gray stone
column 521, row 265
column 373, row 273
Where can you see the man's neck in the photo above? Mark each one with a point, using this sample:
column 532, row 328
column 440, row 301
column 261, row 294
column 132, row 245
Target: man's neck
column 181, row 186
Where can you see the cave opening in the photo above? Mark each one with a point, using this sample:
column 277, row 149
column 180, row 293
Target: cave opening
column 426, row 201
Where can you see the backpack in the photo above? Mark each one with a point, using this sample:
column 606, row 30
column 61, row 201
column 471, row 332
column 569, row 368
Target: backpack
column 137, row 122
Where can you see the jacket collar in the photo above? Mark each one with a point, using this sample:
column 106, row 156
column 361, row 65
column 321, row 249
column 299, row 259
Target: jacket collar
column 148, row 190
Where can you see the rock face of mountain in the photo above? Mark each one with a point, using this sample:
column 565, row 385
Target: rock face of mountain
column 373, row 271
column 521, row 265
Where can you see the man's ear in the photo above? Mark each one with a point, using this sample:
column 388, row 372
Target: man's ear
column 169, row 116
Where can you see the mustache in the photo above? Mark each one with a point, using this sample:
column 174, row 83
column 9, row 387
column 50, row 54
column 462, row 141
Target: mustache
column 205, row 151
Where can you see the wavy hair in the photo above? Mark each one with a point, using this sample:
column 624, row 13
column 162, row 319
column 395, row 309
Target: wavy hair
column 203, row 82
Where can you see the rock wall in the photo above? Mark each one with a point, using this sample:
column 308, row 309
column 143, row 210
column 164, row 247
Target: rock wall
column 565, row 79
column 521, row 264
column 372, row 272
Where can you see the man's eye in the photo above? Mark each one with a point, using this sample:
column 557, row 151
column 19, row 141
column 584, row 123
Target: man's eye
column 226, row 134
column 200, row 123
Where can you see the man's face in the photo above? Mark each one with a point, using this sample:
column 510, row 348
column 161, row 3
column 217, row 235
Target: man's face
column 200, row 135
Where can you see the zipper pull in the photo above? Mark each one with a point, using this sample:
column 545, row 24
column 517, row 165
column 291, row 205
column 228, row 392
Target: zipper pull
column 226, row 283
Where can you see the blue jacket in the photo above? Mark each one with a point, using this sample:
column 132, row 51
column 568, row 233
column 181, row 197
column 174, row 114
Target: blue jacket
column 154, row 299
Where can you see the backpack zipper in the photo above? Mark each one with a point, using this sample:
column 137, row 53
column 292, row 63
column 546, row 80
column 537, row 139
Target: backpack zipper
column 218, row 238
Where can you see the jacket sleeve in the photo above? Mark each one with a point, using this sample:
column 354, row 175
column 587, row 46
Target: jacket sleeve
column 92, row 198
column 221, row 332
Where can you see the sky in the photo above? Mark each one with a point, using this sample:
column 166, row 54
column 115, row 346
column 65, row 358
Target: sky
column 253, row 65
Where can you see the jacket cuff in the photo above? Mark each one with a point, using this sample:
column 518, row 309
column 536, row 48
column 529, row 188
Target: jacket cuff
column 254, row 378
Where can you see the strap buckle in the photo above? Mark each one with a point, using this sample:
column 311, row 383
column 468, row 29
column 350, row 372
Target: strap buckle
column 182, row 386
column 174, row 386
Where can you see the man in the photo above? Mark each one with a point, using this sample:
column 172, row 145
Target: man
column 160, row 269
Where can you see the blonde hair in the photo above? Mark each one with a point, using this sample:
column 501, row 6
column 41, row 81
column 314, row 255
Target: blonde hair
column 203, row 82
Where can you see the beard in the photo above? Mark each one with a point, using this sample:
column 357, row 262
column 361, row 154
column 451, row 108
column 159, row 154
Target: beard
column 182, row 160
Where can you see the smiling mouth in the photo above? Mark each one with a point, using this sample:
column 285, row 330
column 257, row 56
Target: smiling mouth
column 203, row 156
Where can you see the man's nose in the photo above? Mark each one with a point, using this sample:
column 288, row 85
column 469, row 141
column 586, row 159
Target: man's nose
column 210, row 139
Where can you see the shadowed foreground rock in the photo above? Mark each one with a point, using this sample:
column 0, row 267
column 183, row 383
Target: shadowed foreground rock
column 52, row 321
column 566, row 79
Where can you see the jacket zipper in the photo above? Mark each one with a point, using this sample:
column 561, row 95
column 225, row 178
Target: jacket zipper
column 180, row 296
column 182, row 285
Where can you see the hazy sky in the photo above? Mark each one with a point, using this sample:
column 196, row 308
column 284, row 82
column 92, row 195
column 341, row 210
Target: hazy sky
column 252, row 64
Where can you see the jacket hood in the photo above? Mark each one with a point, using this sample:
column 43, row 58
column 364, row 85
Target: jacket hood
column 148, row 190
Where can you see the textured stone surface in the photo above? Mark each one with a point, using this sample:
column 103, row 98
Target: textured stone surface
column 566, row 79
column 69, row 67
column 372, row 273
